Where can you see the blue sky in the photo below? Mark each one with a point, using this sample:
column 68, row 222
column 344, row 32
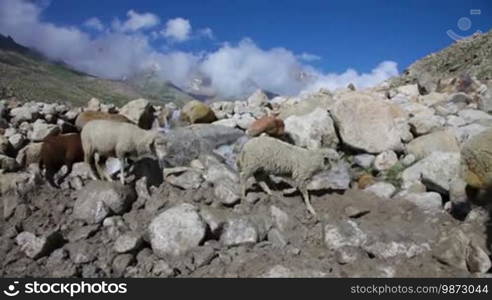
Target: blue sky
column 345, row 34
column 236, row 46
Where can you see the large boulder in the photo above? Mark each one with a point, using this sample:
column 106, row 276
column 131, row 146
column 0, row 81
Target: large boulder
column 367, row 123
column 139, row 111
column 197, row 112
column 477, row 160
column 258, row 98
column 438, row 170
column 323, row 99
column 313, row 131
column 99, row 199
column 176, row 231
column 443, row 141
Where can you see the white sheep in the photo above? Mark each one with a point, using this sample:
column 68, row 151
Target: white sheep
column 273, row 156
column 121, row 140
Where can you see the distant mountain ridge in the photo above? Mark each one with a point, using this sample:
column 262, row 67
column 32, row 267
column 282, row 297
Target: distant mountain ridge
column 29, row 76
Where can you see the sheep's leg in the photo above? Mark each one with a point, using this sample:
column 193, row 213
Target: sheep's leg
column 243, row 178
column 101, row 168
column 50, row 174
column 305, row 194
column 122, row 169
column 265, row 187
column 69, row 170
column 89, row 159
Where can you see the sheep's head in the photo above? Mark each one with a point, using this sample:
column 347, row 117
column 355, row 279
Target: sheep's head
column 158, row 147
column 329, row 156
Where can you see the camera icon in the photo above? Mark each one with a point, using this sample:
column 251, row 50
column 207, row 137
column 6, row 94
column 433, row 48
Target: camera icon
column 464, row 24
column 11, row 290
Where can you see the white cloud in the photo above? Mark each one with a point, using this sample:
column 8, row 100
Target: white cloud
column 136, row 21
column 94, row 23
column 309, row 57
column 233, row 70
column 177, row 29
column 206, row 32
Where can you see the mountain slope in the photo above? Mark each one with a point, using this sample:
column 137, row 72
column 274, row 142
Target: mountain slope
column 26, row 75
column 471, row 56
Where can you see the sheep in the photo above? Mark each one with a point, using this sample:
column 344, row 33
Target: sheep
column 85, row 117
column 57, row 151
column 121, row 140
column 276, row 157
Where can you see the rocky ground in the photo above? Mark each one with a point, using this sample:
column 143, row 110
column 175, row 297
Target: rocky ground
column 406, row 196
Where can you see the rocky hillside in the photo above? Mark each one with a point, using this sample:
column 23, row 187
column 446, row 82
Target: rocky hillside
column 392, row 200
column 471, row 56
column 27, row 75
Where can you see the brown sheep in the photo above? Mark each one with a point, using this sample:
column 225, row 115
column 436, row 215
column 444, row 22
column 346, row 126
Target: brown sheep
column 87, row 116
column 270, row 125
column 60, row 150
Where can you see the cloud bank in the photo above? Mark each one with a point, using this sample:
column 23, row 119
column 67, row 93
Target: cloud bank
column 125, row 48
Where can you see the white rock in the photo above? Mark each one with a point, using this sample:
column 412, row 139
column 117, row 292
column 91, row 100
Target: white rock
column 176, row 231
column 239, row 231
column 381, row 189
column 364, row 160
column 429, row 201
column 385, row 160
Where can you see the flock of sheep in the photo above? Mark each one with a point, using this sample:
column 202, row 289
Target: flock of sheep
column 103, row 135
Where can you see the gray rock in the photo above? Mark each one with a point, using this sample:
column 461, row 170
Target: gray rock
column 17, row 141
column 8, row 164
column 127, row 242
column 313, row 131
column 364, row 160
column 347, row 255
column 121, row 263
column 176, row 231
column 337, row 178
column 346, row 233
column 473, row 115
column 381, row 189
column 24, row 113
column 40, row 130
column 99, row 199
column 423, row 124
column 452, row 249
column 258, row 98
column 443, row 141
column 36, row 247
column 227, row 192
column 477, row 260
column 280, row 218
column 214, row 218
column 385, row 160
column 277, row 238
column 366, row 123
column 185, row 178
column 430, row 201
column 244, row 121
column 140, row 111
column 437, row 170
column 239, row 231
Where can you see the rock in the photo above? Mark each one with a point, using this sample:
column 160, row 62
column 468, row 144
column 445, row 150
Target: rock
column 93, row 104
column 438, row 141
column 226, row 122
column 121, row 263
column 477, row 260
column 347, row 254
column 280, row 271
column 244, row 121
column 162, row 269
column 17, row 141
column 429, row 201
column 227, row 192
column 176, row 231
column 322, row 99
column 185, row 178
column 366, row 123
column 408, row 160
column 433, row 98
column 313, row 131
column 346, row 233
column 139, row 111
column 277, row 238
column 381, row 189
column 423, row 124
column 127, row 242
column 337, row 178
column 455, row 121
column 452, row 249
column 4, row 145
column 485, row 102
column 30, row 154
column 385, row 160
column 280, row 218
column 24, row 113
column 223, row 109
column 270, row 125
column 239, row 231
column 214, row 218
column 8, row 164
column 437, row 170
column 203, row 255
column 477, row 160
column 258, row 98
column 36, row 247
column 364, row 160
column 473, row 115
column 40, row 130
column 465, row 133
column 197, row 112
column 99, row 199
